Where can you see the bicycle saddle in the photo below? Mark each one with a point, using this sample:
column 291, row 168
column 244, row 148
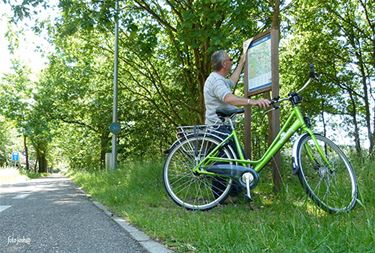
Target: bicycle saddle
column 223, row 113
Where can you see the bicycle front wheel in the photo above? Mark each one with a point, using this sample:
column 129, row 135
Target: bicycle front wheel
column 192, row 190
column 329, row 181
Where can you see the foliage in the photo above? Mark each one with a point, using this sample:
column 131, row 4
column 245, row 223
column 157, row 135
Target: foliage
column 18, row 105
column 164, row 58
column 162, row 70
column 4, row 141
column 165, row 49
column 340, row 43
column 74, row 95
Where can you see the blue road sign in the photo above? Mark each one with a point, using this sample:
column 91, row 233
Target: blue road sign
column 15, row 156
column 115, row 128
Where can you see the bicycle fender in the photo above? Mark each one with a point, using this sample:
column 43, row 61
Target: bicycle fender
column 166, row 152
column 294, row 153
column 296, row 144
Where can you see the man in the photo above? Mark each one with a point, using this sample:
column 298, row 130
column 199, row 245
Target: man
column 218, row 95
column 217, row 88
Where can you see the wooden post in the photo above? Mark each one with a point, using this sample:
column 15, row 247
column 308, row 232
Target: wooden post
column 247, row 132
column 275, row 122
column 247, row 124
column 274, row 116
column 247, row 93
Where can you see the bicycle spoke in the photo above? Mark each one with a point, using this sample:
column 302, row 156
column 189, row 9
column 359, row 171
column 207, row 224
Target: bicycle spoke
column 330, row 182
column 181, row 187
column 191, row 189
column 189, row 157
column 184, row 178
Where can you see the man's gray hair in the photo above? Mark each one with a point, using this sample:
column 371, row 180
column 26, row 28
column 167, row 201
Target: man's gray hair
column 217, row 60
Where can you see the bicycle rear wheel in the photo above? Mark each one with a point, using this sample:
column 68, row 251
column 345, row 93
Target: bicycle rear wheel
column 332, row 186
column 191, row 190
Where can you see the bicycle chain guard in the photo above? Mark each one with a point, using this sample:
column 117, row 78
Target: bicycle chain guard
column 236, row 172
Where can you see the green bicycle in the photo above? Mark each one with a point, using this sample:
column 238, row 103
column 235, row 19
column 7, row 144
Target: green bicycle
column 203, row 163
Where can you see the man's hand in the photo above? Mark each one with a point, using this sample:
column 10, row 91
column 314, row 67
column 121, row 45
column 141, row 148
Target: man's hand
column 246, row 45
column 263, row 103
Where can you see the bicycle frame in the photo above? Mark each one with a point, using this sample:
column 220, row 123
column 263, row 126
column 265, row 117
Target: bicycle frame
column 294, row 123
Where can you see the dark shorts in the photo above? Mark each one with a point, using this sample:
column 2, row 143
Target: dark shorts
column 217, row 184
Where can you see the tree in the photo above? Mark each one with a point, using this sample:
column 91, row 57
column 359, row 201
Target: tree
column 4, row 141
column 163, row 64
column 18, row 105
column 76, row 95
column 339, row 41
column 16, row 98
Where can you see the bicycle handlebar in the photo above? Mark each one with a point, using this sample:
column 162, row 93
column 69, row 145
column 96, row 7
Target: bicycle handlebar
column 275, row 101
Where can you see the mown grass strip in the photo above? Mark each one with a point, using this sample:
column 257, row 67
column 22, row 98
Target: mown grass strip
column 285, row 222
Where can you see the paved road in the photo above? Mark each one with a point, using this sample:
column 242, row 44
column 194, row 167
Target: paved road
column 52, row 215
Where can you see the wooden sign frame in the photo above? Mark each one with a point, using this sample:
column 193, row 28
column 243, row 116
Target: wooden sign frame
column 256, row 52
column 274, row 116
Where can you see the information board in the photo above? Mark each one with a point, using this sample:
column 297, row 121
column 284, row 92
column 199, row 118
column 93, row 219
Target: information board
column 259, row 68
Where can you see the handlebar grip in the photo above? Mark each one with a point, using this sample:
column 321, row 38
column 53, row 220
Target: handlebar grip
column 312, row 71
column 275, row 99
column 274, row 102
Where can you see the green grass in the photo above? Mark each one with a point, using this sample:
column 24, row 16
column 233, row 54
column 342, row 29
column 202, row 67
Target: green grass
column 32, row 175
column 271, row 223
column 11, row 175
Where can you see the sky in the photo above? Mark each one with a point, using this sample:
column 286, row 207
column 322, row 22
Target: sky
column 27, row 46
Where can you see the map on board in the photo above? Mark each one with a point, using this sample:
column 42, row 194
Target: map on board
column 259, row 64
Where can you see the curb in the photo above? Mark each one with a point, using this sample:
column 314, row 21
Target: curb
column 150, row 245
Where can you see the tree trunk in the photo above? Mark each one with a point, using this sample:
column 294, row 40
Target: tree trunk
column 42, row 161
column 353, row 113
column 36, row 165
column 104, row 139
column 26, row 153
column 202, row 108
column 373, row 134
column 366, row 99
column 203, row 72
column 368, row 115
column 323, row 120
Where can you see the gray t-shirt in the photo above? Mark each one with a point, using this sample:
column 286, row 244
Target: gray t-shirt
column 216, row 88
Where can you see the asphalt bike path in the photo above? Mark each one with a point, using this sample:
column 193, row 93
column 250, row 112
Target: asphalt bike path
column 52, row 215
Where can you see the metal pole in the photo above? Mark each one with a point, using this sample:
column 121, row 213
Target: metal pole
column 115, row 91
